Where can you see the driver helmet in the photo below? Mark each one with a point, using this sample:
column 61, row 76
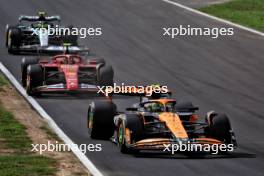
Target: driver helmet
column 42, row 16
column 155, row 107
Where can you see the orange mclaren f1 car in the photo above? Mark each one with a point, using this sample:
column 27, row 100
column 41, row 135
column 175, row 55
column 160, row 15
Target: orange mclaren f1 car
column 156, row 123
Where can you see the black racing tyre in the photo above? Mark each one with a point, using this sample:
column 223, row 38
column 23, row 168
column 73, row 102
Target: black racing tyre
column 100, row 119
column 106, row 76
column 24, row 64
column 6, row 34
column 34, row 79
column 13, row 40
column 121, row 141
column 135, row 126
column 219, row 127
column 184, row 107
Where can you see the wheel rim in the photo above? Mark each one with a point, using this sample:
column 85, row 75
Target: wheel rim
column 6, row 34
column 120, row 134
column 90, row 120
column 28, row 83
column 9, row 39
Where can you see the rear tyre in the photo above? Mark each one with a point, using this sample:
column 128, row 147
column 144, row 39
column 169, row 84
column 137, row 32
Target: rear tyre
column 24, row 64
column 13, row 40
column 34, row 79
column 185, row 111
column 100, row 119
column 219, row 127
column 185, row 107
column 106, row 76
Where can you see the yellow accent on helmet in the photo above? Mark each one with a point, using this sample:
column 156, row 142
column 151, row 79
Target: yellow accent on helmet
column 66, row 44
column 40, row 13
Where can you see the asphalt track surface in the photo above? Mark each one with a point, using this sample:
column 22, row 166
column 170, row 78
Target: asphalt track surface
column 224, row 74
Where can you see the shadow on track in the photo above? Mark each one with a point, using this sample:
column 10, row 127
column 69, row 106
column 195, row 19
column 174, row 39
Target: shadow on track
column 191, row 155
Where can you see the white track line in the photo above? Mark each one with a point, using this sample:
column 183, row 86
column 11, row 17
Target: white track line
column 215, row 18
column 86, row 162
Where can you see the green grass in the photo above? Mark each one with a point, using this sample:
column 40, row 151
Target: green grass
column 246, row 12
column 3, row 82
column 21, row 161
column 13, row 133
column 25, row 165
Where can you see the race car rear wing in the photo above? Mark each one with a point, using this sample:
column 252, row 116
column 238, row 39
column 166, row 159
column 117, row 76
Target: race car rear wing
column 36, row 18
column 68, row 49
column 54, row 49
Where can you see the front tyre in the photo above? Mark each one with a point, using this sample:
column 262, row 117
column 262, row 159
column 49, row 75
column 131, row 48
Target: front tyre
column 100, row 119
column 24, row 64
column 13, row 40
column 129, row 131
column 34, row 79
column 219, row 127
column 6, row 35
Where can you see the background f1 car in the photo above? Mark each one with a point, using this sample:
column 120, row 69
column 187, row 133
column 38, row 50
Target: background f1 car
column 65, row 73
column 21, row 38
column 154, row 123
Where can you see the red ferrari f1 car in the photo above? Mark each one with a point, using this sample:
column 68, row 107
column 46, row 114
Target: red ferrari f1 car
column 65, row 73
